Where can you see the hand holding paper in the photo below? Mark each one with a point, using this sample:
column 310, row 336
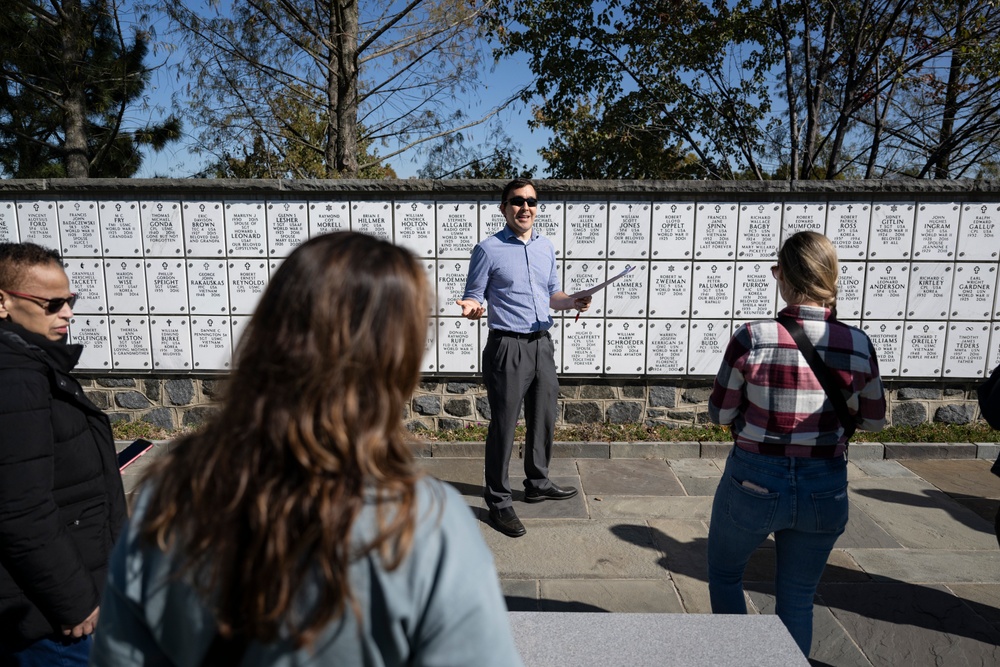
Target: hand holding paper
column 597, row 288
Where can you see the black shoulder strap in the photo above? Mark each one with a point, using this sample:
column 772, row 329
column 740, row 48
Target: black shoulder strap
column 822, row 373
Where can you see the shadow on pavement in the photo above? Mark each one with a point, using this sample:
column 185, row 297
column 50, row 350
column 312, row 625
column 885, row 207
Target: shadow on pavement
column 929, row 500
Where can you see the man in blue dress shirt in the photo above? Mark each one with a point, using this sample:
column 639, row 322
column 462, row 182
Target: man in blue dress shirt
column 514, row 271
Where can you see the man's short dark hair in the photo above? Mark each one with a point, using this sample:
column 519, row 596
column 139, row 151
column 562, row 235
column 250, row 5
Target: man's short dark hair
column 16, row 258
column 516, row 184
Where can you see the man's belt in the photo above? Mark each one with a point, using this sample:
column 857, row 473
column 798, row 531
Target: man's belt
column 534, row 335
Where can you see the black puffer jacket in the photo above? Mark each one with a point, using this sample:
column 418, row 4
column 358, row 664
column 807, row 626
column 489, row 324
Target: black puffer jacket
column 61, row 499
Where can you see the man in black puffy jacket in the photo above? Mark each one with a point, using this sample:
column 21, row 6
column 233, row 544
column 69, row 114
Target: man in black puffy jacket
column 61, row 499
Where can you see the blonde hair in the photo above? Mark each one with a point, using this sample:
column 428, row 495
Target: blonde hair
column 809, row 267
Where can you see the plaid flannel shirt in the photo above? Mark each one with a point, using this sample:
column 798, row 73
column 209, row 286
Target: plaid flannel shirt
column 772, row 401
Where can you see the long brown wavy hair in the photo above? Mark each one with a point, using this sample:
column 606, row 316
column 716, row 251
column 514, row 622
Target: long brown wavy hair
column 265, row 495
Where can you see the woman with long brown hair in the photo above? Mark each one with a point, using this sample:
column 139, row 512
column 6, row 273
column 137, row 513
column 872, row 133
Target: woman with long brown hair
column 294, row 527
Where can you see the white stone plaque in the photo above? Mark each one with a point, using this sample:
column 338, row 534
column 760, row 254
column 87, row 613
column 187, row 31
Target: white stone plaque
column 121, row 231
column 273, row 266
column 248, row 279
column 994, row 360
column 126, row 285
column 923, row 348
column 167, row 286
column 171, row 343
column 715, row 231
column 891, row 235
column 162, row 234
column 885, row 290
column 456, row 228
column 966, row 349
column 458, row 345
column 667, row 347
column 555, row 333
column 93, row 333
column 756, row 295
column 850, row 290
column 204, row 229
column 973, row 291
column 86, row 278
column 670, row 289
column 373, row 218
column 80, row 228
column 930, row 289
column 979, row 232
column 809, row 217
column 211, row 343
column 38, row 223
column 415, row 227
column 430, row 270
column 584, row 274
column 246, row 229
column 238, row 324
column 629, row 230
column 131, row 347
column 624, row 347
column 287, row 226
column 583, row 345
column 8, row 222
column 712, row 288
column 429, row 362
column 586, row 230
column 673, row 230
column 760, row 230
column 629, row 295
column 451, row 275
column 847, row 226
column 707, row 343
column 326, row 217
column 208, row 287
column 935, row 234
column 887, row 339
column 549, row 222
column 491, row 220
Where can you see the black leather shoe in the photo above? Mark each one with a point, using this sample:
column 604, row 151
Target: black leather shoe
column 552, row 493
column 506, row 521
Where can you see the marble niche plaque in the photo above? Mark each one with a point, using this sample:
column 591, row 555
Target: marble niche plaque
column 624, row 347
column 208, row 287
column 326, row 217
column 923, row 348
column 806, row 217
column 994, row 359
column 238, row 325
column 760, row 230
column 248, row 279
column 891, row 235
column 491, row 220
column 246, row 229
column 86, row 278
column 707, row 343
column 629, row 295
column 673, row 230
column 8, row 222
column 756, row 291
column 162, row 233
column 126, row 285
column 979, row 232
column 715, row 231
column 930, row 289
column 712, row 288
column 415, row 227
column 850, row 290
column 629, row 230
column 581, row 275
column 131, row 346
column 171, row 343
column 429, row 362
column 549, row 222
column 451, row 275
column 973, row 291
column 935, row 234
column 886, row 284
column 287, row 226
column 666, row 347
column 430, row 270
column 458, row 345
column 847, row 226
column 38, row 222
column 670, row 289
column 92, row 331
column 887, row 339
column 583, row 345
column 456, row 229
column 167, row 286
column 555, row 333
column 373, row 218
column 204, row 229
column 211, row 343
column 80, row 228
column 966, row 349
column 121, row 231
column 586, row 230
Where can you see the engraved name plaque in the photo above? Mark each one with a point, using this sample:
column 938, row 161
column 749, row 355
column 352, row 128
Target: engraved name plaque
column 86, row 278
column 979, row 232
column 583, row 346
column 171, row 343
column 760, row 230
column 809, row 217
column 887, row 339
column 629, row 230
column 451, row 274
column 208, row 287
column 91, row 331
column 287, row 226
column 121, row 231
column 328, row 217
column 935, row 234
column 8, row 222
column 126, row 285
column 885, row 289
column 430, row 270
column 246, row 229
column 715, row 231
column 670, row 289
column 707, row 345
column 415, row 227
column 429, row 362
column 80, row 228
column 973, row 290
column 923, row 348
column 238, row 324
column 38, row 223
column 248, row 279
column 673, row 230
column 456, row 229
column 850, row 290
column 131, row 347
column 628, row 296
column 161, row 228
column 458, row 345
column 930, row 291
column 756, row 291
column 549, row 222
column 211, row 343
column 578, row 276
column 891, row 235
column 204, row 229
column 373, row 218
column 586, row 230
column 712, row 289
column 966, row 349
column 847, row 226
column 491, row 220
column 667, row 347
column 166, row 284
column 624, row 347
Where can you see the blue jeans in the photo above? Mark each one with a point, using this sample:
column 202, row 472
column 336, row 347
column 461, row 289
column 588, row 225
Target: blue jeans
column 804, row 503
column 49, row 652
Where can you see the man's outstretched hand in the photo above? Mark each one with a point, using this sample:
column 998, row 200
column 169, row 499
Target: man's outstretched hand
column 471, row 308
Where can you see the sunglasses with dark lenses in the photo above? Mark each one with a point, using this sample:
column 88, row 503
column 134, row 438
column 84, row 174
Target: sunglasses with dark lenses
column 521, row 201
column 51, row 306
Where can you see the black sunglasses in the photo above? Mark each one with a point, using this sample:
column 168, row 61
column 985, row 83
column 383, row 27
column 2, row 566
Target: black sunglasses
column 51, row 306
column 521, row 201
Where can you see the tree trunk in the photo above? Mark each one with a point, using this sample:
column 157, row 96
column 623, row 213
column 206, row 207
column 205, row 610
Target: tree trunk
column 75, row 99
column 346, row 117
column 950, row 103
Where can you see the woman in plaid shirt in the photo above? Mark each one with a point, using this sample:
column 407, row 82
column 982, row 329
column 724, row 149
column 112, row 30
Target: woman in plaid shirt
column 787, row 473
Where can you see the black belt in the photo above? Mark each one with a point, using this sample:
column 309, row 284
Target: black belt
column 534, row 335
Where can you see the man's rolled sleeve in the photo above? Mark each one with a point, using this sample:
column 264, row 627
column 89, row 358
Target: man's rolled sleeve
column 727, row 392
